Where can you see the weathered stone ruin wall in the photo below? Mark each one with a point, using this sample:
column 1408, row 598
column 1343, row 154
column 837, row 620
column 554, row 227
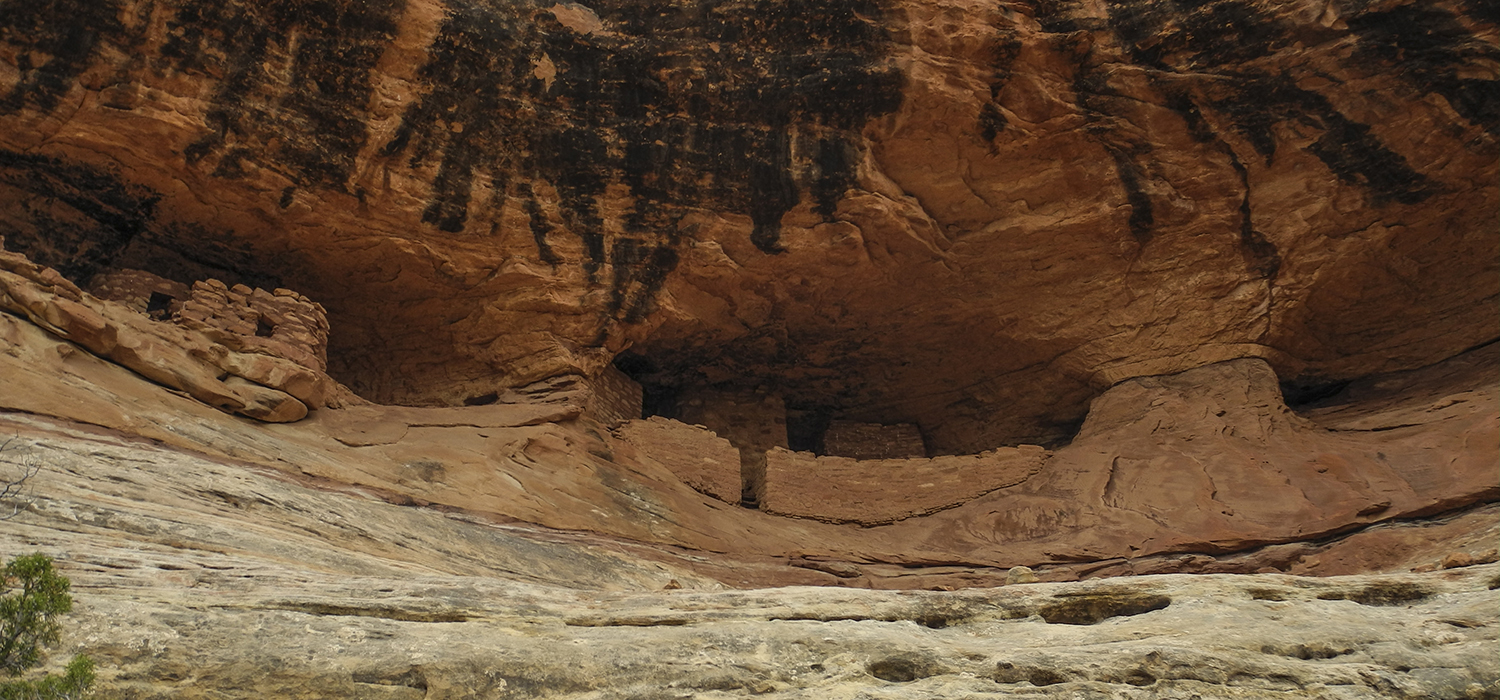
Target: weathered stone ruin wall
column 828, row 488
column 873, row 440
column 260, row 378
column 281, row 324
column 879, row 491
column 754, row 422
column 613, row 397
column 153, row 295
column 701, row 459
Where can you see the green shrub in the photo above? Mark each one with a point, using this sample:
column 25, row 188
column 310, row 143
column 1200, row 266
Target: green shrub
column 34, row 596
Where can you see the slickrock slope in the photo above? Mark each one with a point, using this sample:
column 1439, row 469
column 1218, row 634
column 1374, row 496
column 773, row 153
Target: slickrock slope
column 204, row 578
column 1258, row 637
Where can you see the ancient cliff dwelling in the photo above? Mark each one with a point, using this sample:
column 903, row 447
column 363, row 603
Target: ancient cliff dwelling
column 448, row 349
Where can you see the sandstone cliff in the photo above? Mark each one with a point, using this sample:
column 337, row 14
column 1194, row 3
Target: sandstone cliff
column 970, row 216
column 468, row 348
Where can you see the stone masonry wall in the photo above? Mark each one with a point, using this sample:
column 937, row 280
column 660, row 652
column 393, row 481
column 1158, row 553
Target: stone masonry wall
column 153, row 295
column 282, row 323
column 208, row 366
column 753, row 421
column 873, row 440
column 879, row 491
column 701, row 459
column 613, row 398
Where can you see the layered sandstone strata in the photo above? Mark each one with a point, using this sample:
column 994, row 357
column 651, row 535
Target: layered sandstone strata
column 1209, row 460
column 968, row 216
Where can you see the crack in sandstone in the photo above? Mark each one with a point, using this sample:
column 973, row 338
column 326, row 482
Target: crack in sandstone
column 328, row 609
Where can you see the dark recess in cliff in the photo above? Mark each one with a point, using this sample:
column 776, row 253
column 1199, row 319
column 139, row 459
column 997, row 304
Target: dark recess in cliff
column 71, row 217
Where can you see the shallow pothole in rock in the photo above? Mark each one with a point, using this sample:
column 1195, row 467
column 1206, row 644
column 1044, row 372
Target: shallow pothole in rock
column 1091, row 608
column 1007, row 672
column 904, row 668
column 1384, row 593
column 1268, row 594
column 1308, row 652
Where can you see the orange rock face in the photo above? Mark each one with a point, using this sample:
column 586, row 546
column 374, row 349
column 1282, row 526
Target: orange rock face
column 1212, row 457
column 966, row 226
column 959, row 215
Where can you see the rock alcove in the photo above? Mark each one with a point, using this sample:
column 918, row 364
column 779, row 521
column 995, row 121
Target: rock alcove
column 972, row 219
column 856, row 238
column 442, row 342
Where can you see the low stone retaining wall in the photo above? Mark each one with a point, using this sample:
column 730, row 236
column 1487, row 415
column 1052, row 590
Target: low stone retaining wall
column 880, row 491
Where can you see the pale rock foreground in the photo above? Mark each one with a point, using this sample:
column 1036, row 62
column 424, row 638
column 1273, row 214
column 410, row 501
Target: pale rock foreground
column 198, row 578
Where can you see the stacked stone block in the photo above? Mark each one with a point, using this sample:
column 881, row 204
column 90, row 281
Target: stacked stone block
column 281, row 324
column 754, row 421
column 613, row 398
column 873, row 440
column 153, row 295
column 701, row 459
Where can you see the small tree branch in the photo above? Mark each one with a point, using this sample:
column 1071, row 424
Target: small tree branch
column 14, row 483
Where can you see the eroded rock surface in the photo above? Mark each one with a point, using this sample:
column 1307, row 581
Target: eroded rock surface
column 882, row 491
column 1207, row 461
column 964, row 215
column 1233, row 263
column 350, row 596
column 1215, row 456
column 519, row 642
